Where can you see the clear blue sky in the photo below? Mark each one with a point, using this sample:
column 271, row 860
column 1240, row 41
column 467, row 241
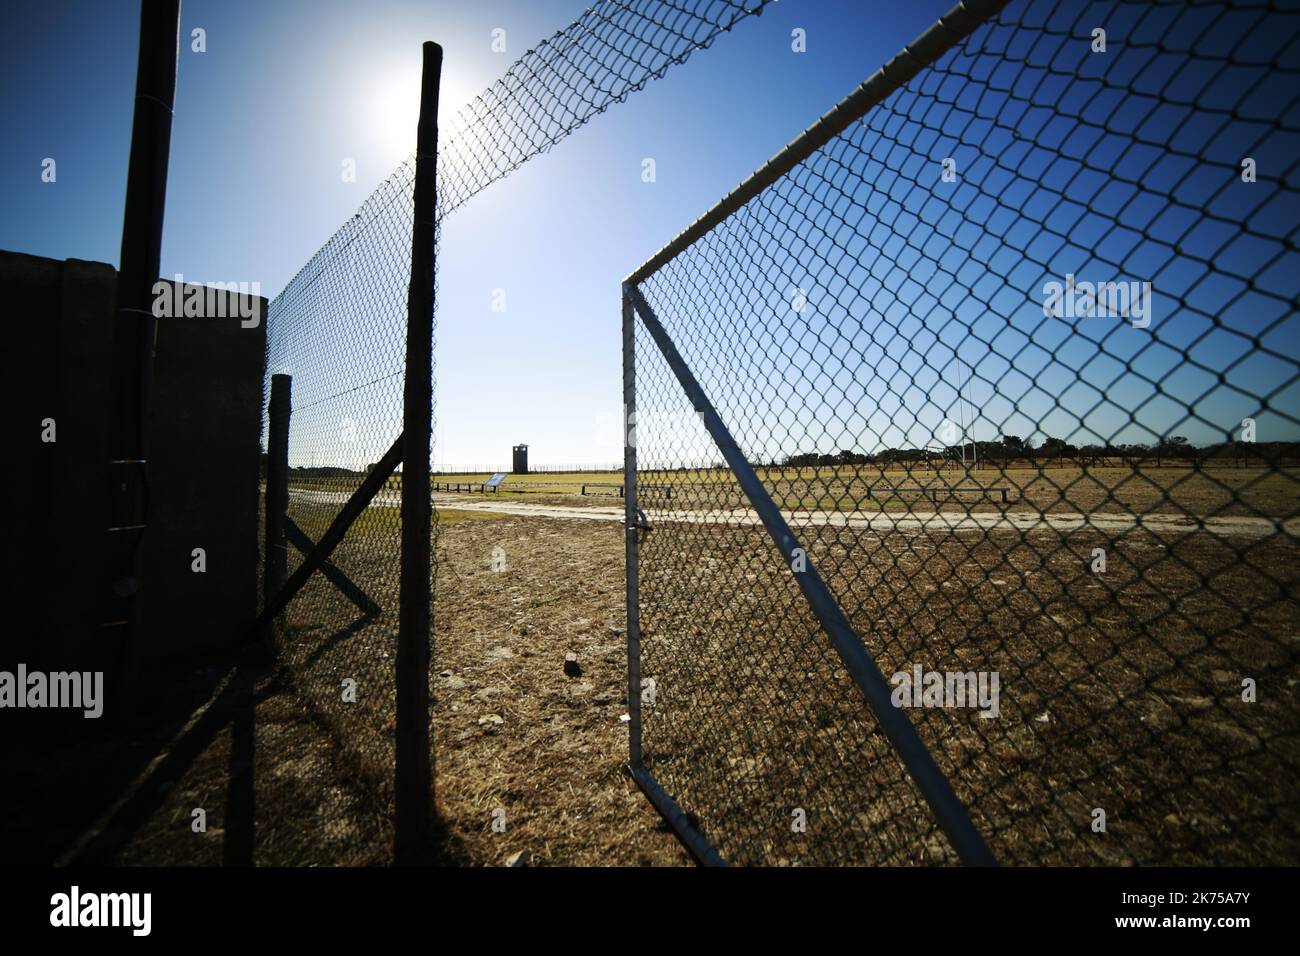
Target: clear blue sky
column 286, row 90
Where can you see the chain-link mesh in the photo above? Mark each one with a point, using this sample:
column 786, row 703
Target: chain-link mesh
column 339, row 330
column 614, row 49
column 1057, row 503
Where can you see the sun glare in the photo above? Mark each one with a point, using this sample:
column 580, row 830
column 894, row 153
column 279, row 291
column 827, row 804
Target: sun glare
column 396, row 109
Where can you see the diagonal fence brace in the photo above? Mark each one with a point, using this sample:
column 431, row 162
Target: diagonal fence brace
column 929, row 779
column 349, row 513
column 349, row 588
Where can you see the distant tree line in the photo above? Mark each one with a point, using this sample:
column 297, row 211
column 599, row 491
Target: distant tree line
column 1175, row 449
column 322, row 471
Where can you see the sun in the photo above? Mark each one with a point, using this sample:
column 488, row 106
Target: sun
column 395, row 108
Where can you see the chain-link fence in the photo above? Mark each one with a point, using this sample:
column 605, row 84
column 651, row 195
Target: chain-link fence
column 339, row 329
column 613, row 50
column 989, row 382
column 338, row 333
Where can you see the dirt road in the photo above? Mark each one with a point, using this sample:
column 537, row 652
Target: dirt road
column 952, row 521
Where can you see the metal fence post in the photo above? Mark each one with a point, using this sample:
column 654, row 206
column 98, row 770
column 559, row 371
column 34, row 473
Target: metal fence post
column 673, row 814
column 134, row 328
column 630, row 532
column 279, row 410
column 413, row 776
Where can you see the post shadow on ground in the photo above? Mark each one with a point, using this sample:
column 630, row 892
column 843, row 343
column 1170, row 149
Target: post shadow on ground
column 233, row 697
column 123, row 780
column 241, row 802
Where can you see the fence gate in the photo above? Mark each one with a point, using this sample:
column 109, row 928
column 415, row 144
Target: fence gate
column 980, row 406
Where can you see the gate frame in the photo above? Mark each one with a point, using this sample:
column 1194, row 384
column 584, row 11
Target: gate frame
column 950, row 813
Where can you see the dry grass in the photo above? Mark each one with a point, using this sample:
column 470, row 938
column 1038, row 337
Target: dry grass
column 1119, row 690
column 554, row 763
column 1137, row 673
column 1145, row 489
column 225, row 736
column 513, row 733
column 309, row 805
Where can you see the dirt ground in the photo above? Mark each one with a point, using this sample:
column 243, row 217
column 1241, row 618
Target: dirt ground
column 517, row 739
column 527, row 757
column 1121, row 691
column 219, row 764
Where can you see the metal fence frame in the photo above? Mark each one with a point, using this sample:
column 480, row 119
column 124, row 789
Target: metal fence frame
column 950, row 814
column 960, row 21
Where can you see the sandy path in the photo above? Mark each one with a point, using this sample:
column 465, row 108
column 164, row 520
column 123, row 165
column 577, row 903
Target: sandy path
column 952, row 521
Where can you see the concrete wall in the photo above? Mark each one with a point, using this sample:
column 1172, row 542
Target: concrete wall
column 204, row 453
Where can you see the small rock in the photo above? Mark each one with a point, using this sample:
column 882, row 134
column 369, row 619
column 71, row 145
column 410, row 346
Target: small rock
column 518, row 859
column 571, row 665
column 625, row 718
